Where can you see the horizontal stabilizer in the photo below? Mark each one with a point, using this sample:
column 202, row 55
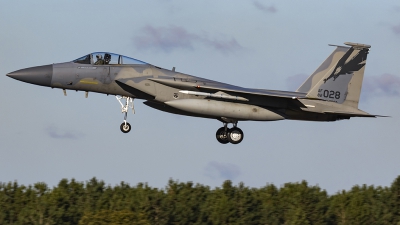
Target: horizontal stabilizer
column 350, row 114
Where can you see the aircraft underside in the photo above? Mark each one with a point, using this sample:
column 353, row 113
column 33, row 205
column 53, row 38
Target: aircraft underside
column 222, row 112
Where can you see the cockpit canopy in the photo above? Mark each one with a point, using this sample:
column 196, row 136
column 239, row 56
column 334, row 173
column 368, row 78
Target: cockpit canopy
column 106, row 58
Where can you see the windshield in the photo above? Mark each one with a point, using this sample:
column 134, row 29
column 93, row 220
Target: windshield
column 83, row 60
column 105, row 58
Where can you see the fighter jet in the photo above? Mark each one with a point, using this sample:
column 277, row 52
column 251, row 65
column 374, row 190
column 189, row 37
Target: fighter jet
column 319, row 98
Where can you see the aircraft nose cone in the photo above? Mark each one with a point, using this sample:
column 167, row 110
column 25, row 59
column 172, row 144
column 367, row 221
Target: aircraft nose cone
column 39, row 75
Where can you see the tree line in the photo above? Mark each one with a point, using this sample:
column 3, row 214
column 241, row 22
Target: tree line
column 93, row 202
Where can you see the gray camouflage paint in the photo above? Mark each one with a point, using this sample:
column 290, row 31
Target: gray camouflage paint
column 312, row 101
column 331, row 61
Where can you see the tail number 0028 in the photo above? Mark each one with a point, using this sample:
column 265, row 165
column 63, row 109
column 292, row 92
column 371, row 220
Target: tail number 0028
column 328, row 94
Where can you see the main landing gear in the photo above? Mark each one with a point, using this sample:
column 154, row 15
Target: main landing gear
column 125, row 126
column 232, row 135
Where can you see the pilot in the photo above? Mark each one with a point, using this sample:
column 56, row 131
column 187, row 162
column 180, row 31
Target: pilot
column 100, row 60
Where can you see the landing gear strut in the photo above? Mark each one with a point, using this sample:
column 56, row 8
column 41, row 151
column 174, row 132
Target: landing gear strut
column 125, row 126
column 232, row 135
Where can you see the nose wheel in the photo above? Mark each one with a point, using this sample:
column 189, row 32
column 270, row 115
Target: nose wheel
column 232, row 135
column 125, row 126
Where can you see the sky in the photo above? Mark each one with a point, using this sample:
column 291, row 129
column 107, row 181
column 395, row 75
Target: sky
column 45, row 136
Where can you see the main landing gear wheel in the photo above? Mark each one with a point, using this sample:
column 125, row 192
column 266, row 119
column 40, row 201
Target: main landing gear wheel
column 232, row 135
column 222, row 135
column 235, row 136
column 125, row 128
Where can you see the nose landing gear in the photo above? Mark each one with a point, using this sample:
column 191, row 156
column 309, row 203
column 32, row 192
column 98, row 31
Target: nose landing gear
column 125, row 126
column 232, row 135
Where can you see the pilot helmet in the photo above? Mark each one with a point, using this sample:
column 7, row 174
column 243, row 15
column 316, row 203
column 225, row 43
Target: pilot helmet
column 99, row 56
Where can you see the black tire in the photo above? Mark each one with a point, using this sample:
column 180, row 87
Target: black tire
column 235, row 135
column 222, row 136
column 125, row 128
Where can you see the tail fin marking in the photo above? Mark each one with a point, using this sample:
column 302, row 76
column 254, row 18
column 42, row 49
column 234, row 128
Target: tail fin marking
column 342, row 82
column 319, row 73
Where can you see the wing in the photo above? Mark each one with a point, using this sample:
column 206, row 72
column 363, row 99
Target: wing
column 257, row 96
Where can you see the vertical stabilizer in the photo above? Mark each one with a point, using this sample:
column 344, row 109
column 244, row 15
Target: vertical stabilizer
column 342, row 82
column 319, row 73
